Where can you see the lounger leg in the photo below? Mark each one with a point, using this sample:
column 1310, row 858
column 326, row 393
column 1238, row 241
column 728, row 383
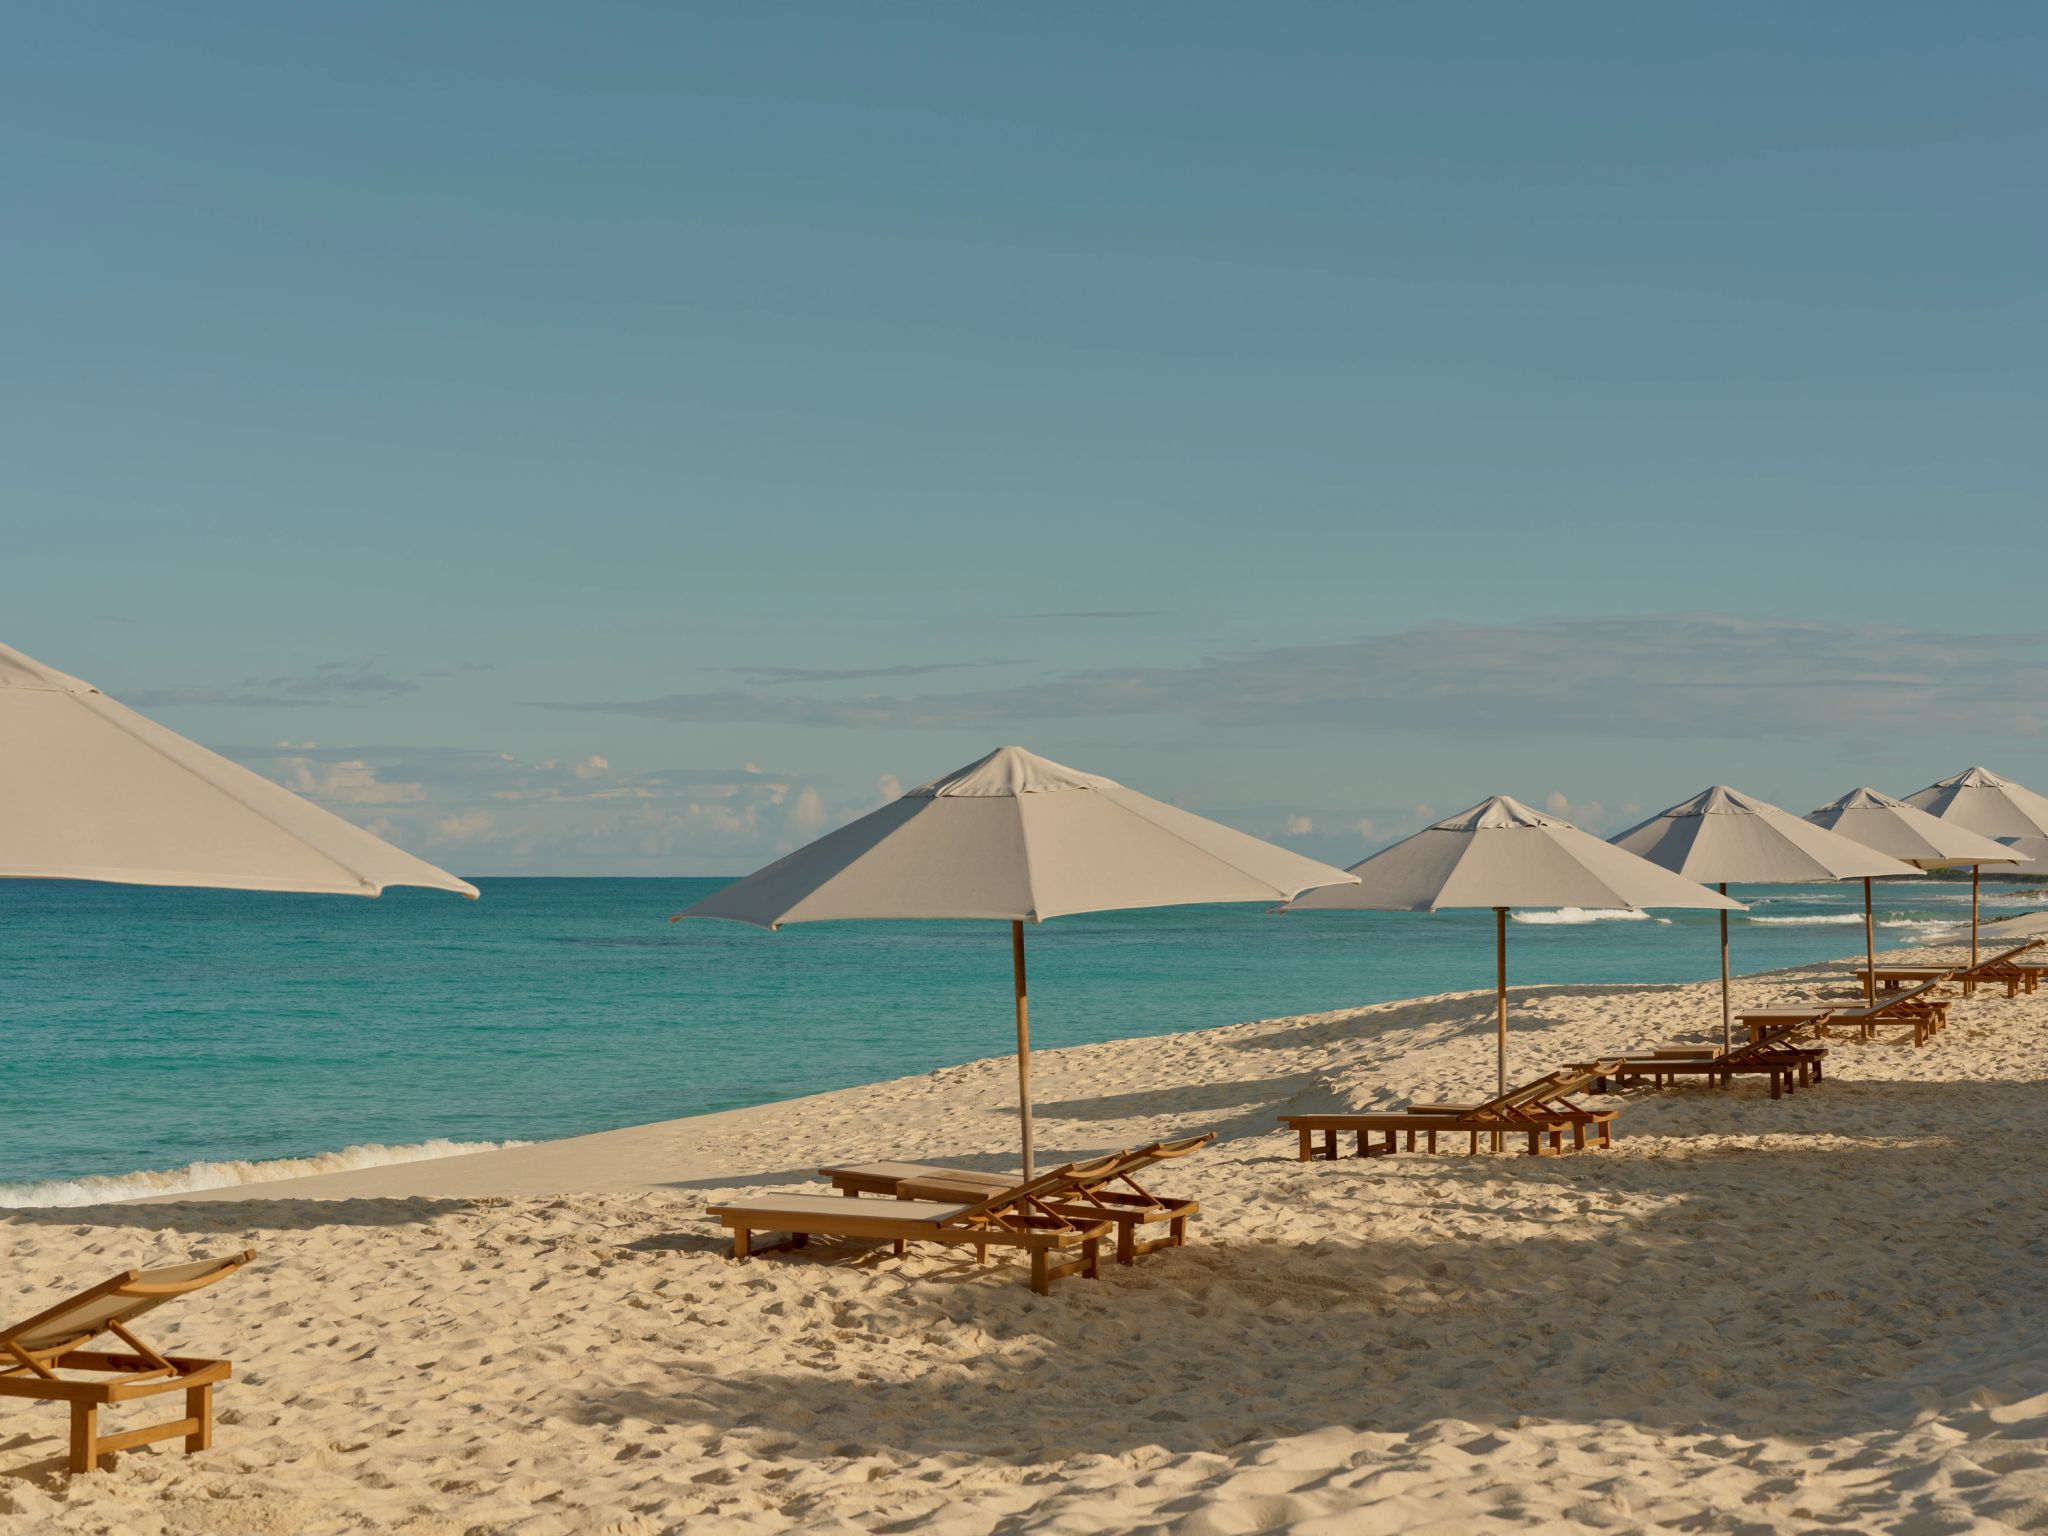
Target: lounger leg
column 85, row 1436
column 1127, row 1242
column 1474, row 1152
column 1606, row 1133
column 1496, row 1141
column 1578, row 1135
column 901, row 1247
column 1330, row 1144
column 1091, row 1258
column 1411, row 1139
column 1178, row 1227
column 199, row 1408
column 742, row 1243
column 1041, row 1272
column 1308, row 1150
column 1432, row 1141
column 1777, row 1085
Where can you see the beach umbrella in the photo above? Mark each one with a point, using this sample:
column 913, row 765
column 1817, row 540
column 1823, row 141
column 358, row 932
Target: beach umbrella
column 1014, row 837
column 1722, row 836
column 91, row 790
column 1501, row 854
column 1980, row 801
column 1906, row 832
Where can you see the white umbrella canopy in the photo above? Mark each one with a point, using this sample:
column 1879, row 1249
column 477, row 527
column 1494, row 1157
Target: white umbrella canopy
column 1502, row 854
column 91, row 790
column 1908, row 833
column 1981, row 801
column 1016, row 837
column 1722, row 836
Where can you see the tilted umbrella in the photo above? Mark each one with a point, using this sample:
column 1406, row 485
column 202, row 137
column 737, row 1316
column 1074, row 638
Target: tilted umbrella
column 1980, row 801
column 1501, row 854
column 1014, row 837
column 91, row 790
column 1722, row 836
column 1906, row 832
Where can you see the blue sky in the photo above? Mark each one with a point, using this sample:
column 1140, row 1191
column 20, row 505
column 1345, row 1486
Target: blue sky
column 629, row 438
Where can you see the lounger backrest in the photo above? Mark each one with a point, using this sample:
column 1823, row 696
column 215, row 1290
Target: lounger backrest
column 120, row 1300
column 1046, row 1186
column 1897, row 999
column 1771, row 1037
column 1523, row 1094
column 1997, row 960
column 1573, row 1079
column 1159, row 1152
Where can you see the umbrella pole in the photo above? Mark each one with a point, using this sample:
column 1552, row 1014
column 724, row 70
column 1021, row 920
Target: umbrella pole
column 1976, row 872
column 1727, row 1024
column 1869, row 947
column 1023, row 1041
column 1500, row 988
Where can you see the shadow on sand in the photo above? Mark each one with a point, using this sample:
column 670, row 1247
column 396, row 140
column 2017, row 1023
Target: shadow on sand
column 1689, row 1314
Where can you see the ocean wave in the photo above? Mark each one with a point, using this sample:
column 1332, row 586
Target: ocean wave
column 1815, row 920
column 106, row 1189
column 1576, row 915
column 1848, row 919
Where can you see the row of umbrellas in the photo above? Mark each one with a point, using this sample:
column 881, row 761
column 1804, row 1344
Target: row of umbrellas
column 1014, row 837
column 91, row 790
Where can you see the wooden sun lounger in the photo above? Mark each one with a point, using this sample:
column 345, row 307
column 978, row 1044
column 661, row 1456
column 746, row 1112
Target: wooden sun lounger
column 1772, row 1054
column 1920, row 1010
column 2005, row 969
column 1541, row 1110
column 48, row 1344
column 1026, row 1216
column 1132, row 1207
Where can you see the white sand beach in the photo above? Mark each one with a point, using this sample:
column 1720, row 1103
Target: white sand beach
column 1822, row 1313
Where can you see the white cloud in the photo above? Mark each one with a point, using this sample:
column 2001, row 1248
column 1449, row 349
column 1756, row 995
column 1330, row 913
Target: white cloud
column 1365, row 826
column 807, row 814
column 1693, row 676
column 581, row 814
column 888, row 787
column 463, row 826
column 1588, row 814
column 350, row 782
column 1300, row 826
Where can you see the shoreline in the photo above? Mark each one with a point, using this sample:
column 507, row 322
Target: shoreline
column 692, row 1149
column 517, row 1168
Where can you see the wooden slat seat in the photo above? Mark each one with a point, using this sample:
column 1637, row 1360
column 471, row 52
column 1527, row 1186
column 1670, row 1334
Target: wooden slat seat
column 1109, row 1191
column 1540, row 1112
column 35, row 1354
column 1921, row 1011
column 1026, row 1216
column 1771, row 1054
column 2005, row 969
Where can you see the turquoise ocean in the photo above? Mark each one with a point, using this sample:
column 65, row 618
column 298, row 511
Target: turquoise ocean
column 153, row 1029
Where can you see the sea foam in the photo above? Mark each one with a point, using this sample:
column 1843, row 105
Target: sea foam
column 1576, row 915
column 106, row 1189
